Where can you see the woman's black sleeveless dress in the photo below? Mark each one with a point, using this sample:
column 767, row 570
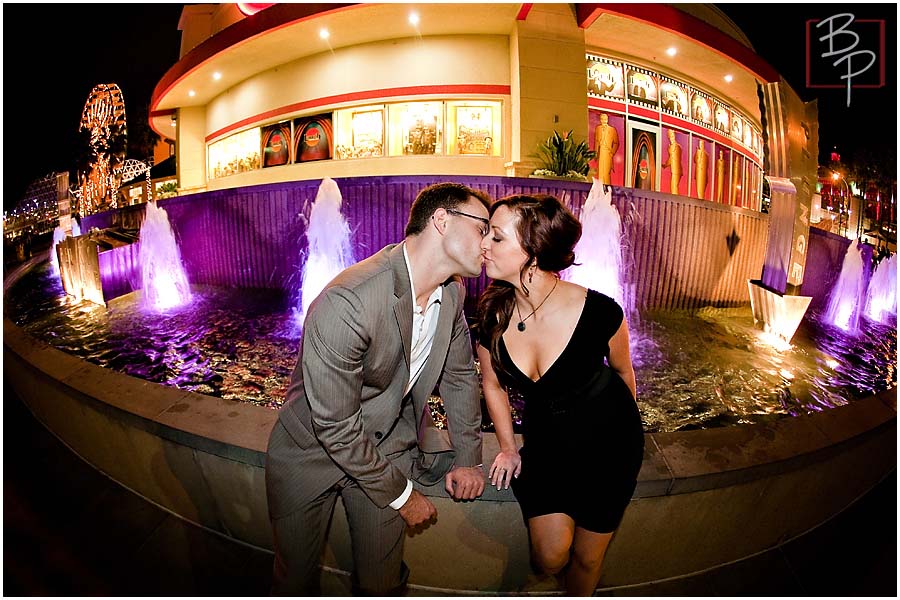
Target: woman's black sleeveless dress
column 584, row 442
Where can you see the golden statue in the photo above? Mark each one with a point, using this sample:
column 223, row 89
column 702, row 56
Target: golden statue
column 673, row 162
column 606, row 141
column 720, row 177
column 735, row 183
column 701, row 169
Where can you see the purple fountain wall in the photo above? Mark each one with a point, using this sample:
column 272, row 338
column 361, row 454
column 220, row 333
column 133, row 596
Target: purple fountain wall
column 683, row 253
column 824, row 260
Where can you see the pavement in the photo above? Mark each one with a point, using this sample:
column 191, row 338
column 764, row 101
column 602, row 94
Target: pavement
column 68, row 530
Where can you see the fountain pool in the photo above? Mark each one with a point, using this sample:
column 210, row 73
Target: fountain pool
column 695, row 369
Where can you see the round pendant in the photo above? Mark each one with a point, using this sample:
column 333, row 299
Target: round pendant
column 520, row 326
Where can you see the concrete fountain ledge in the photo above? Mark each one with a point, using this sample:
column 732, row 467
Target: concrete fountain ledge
column 704, row 498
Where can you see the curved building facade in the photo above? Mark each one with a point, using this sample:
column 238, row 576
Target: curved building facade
column 668, row 97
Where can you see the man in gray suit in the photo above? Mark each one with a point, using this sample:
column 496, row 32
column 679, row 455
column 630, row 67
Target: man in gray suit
column 356, row 422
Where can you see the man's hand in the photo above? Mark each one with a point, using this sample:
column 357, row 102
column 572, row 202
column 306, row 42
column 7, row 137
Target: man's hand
column 465, row 483
column 417, row 510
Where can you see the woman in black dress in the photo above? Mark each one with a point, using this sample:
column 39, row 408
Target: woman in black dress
column 548, row 339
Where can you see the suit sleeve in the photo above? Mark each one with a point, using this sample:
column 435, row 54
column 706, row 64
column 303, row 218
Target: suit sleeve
column 334, row 344
column 460, row 391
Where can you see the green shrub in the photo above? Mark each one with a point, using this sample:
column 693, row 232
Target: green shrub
column 562, row 157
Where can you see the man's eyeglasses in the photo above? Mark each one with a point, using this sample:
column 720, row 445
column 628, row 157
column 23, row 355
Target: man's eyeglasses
column 486, row 225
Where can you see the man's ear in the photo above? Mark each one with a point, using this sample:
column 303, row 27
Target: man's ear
column 439, row 220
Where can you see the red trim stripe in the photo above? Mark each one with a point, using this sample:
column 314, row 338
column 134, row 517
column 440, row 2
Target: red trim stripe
column 418, row 90
column 605, row 104
column 523, row 11
column 640, row 111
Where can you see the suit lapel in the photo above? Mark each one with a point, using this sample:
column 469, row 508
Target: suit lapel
column 404, row 302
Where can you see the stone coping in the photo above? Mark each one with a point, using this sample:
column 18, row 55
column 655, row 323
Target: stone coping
column 674, row 463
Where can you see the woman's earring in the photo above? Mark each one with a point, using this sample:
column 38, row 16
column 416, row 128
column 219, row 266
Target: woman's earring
column 530, row 274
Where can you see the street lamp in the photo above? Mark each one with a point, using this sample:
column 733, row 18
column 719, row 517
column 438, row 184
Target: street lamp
column 835, row 176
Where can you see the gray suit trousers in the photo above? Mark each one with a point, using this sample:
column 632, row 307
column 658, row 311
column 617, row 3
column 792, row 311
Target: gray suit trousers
column 376, row 534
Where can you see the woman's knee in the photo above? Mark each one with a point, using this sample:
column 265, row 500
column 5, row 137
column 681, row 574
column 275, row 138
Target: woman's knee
column 550, row 559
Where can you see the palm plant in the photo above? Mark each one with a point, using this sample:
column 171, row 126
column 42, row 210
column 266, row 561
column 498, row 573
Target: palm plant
column 562, row 157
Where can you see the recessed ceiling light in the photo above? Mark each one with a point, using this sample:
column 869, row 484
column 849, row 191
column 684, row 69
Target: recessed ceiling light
column 672, row 51
column 192, row 93
column 217, row 76
column 729, row 78
column 323, row 33
column 413, row 18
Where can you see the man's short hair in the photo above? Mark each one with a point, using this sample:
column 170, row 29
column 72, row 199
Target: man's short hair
column 440, row 195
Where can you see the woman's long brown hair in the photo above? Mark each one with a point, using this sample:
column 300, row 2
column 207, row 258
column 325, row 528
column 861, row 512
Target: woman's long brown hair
column 548, row 233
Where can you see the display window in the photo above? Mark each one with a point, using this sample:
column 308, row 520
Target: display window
column 313, row 138
column 276, row 147
column 359, row 132
column 415, row 128
column 237, row 153
column 474, row 127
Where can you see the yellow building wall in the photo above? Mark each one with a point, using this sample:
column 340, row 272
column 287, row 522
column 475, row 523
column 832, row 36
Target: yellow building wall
column 191, row 148
column 432, row 61
column 549, row 82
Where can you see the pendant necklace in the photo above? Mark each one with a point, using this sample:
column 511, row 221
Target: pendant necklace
column 521, row 325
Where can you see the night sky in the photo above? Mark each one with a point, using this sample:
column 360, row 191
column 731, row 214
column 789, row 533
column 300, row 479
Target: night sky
column 133, row 45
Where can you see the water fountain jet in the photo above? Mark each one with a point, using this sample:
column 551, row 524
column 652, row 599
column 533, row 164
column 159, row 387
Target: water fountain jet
column 599, row 252
column 881, row 301
column 846, row 301
column 163, row 278
column 328, row 251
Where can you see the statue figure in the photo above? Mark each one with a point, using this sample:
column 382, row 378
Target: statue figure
column 720, row 177
column 606, row 142
column 701, row 169
column 673, row 162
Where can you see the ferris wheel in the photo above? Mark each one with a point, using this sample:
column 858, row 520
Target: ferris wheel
column 104, row 117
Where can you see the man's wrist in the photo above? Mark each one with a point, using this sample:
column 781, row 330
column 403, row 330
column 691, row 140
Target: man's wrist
column 402, row 498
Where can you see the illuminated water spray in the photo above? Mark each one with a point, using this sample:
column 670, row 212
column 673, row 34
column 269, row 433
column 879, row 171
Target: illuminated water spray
column 59, row 234
column 164, row 281
column 328, row 246
column 881, row 302
column 600, row 249
column 847, row 299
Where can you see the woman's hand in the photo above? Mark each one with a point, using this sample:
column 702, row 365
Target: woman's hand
column 506, row 465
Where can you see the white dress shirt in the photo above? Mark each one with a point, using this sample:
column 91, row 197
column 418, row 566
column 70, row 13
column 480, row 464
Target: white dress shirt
column 424, row 324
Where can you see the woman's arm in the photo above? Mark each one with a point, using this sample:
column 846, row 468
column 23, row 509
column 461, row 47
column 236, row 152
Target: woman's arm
column 507, row 464
column 620, row 357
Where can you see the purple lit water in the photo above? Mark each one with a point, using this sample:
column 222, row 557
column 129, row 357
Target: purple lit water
column 599, row 251
column 881, row 298
column 847, row 297
column 59, row 234
column 709, row 368
column 164, row 282
column 329, row 253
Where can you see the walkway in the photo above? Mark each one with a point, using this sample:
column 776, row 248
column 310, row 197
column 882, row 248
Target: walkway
column 70, row 531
